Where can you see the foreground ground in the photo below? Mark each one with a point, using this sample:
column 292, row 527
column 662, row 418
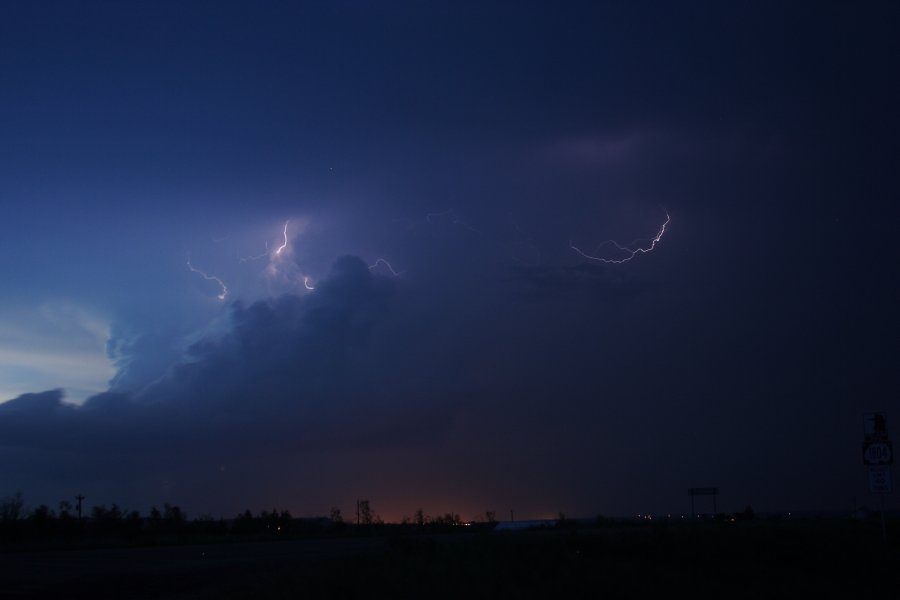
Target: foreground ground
column 735, row 560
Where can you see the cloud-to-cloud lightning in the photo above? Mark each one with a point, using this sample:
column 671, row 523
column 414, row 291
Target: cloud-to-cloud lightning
column 209, row 278
column 630, row 251
column 257, row 256
column 390, row 268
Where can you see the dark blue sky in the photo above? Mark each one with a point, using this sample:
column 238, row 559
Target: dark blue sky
column 470, row 145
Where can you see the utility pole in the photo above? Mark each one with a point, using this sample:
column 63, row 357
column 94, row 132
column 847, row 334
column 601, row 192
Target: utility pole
column 79, row 497
column 878, row 456
column 357, row 512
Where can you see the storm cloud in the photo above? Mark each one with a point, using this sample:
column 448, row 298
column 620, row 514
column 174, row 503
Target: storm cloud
column 471, row 147
column 365, row 363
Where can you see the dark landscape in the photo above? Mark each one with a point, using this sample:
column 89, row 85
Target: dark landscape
column 771, row 557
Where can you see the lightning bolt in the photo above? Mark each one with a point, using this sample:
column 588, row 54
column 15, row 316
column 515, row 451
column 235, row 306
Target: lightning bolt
column 307, row 285
column 209, row 278
column 256, row 257
column 388, row 265
column 629, row 250
column 284, row 245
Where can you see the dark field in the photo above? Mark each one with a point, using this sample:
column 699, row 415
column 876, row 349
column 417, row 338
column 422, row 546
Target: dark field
column 830, row 558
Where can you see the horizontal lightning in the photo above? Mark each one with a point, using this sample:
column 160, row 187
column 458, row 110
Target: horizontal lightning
column 257, row 256
column 381, row 261
column 629, row 250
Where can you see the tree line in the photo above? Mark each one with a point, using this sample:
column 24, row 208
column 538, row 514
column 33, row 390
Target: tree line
column 69, row 523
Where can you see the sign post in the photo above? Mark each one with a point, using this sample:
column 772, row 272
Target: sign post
column 878, row 456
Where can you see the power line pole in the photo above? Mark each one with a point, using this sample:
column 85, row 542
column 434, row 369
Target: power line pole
column 79, row 497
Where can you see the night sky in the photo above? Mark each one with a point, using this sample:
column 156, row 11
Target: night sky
column 731, row 167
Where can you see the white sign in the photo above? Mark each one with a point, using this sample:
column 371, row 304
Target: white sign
column 880, row 480
column 878, row 453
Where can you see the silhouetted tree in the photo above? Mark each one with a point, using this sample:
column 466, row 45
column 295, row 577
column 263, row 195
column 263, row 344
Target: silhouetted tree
column 105, row 521
column 449, row 518
column 275, row 522
column 366, row 516
column 336, row 517
column 41, row 520
column 173, row 519
column 12, row 507
column 67, row 524
column 42, row 514
column 173, row 515
column 100, row 513
column 206, row 524
column 244, row 523
column 155, row 519
column 283, row 522
column 132, row 525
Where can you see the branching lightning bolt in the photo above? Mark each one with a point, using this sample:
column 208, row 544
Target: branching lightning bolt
column 388, row 265
column 284, row 245
column 630, row 250
column 209, row 278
